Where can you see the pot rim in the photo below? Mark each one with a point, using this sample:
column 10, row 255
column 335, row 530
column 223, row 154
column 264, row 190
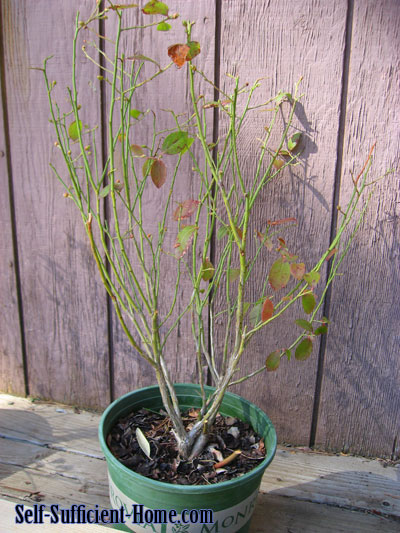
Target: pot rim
column 176, row 488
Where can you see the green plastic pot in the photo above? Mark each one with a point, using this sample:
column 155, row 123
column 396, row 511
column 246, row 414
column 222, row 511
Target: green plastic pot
column 232, row 502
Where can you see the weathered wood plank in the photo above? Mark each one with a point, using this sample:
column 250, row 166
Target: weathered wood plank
column 50, row 425
column 272, row 40
column 343, row 481
column 67, row 449
column 360, row 403
column 11, row 364
column 300, row 491
column 65, row 323
column 170, row 90
column 274, row 514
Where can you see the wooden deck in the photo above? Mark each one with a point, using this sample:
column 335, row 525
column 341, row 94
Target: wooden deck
column 49, row 453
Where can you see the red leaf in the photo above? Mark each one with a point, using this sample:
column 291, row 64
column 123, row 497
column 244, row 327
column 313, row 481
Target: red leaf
column 331, row 253
column 239, row 232
column 186, row 209
column 178, row 53
column 158, row 173
column 281, row 221
column 267, row 310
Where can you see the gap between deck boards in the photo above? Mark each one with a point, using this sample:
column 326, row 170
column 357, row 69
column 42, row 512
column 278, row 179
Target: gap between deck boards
column 50, row 453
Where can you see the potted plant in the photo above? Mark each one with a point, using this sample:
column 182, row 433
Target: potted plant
column 216, row 249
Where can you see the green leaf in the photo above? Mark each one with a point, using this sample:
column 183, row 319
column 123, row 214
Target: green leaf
column 267, row 310
column 308, row 302
column 321, row 330
column 304, row 349
column 294, row 141
column 207, row 270
column 304, row 324
column 183, row 240
column 135, row 113
column 194, row 50
column 143, row 442
column 222, row 231
column 279, row 274
column 104, row 191
column 158, row 173
column 246, row 307
column 147, row 166
column 255, row 314
column 177, row 143
column 73, row 130
column 312, row 278
column 273, row 360
column 163, row 26
column 155, row 8
column 233, row 274
column 282, row 96
column 288, row 354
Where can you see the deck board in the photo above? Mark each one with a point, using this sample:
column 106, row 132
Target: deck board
column 50, row 453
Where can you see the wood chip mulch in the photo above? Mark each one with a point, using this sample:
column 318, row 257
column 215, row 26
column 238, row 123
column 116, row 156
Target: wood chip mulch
column 227, row 436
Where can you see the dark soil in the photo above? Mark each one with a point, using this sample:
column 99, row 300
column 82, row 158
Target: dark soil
column 227, row 435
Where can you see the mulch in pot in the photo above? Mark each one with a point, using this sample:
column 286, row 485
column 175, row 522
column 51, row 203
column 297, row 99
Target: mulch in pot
column 228, row 435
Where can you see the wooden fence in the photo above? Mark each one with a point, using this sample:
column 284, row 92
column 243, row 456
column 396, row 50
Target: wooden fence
column 58, row 338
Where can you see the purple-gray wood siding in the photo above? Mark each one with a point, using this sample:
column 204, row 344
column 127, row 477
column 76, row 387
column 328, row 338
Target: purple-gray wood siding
column 58, row 338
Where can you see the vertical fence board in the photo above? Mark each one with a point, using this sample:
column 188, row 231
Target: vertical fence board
column 360, row 403
column 281, row 42
column 65, row 324
column 168, row 91
column 11, row 365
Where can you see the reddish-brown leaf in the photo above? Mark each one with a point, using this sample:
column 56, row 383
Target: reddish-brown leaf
column 298, row 270
column 267, row 310
column 158, row 173
column 178, row 53
column 265, row 240
column 331, row 253
column 281, row 221
column 137, row 150
column 185, row 209
column 239, row 232
column 278, row 163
